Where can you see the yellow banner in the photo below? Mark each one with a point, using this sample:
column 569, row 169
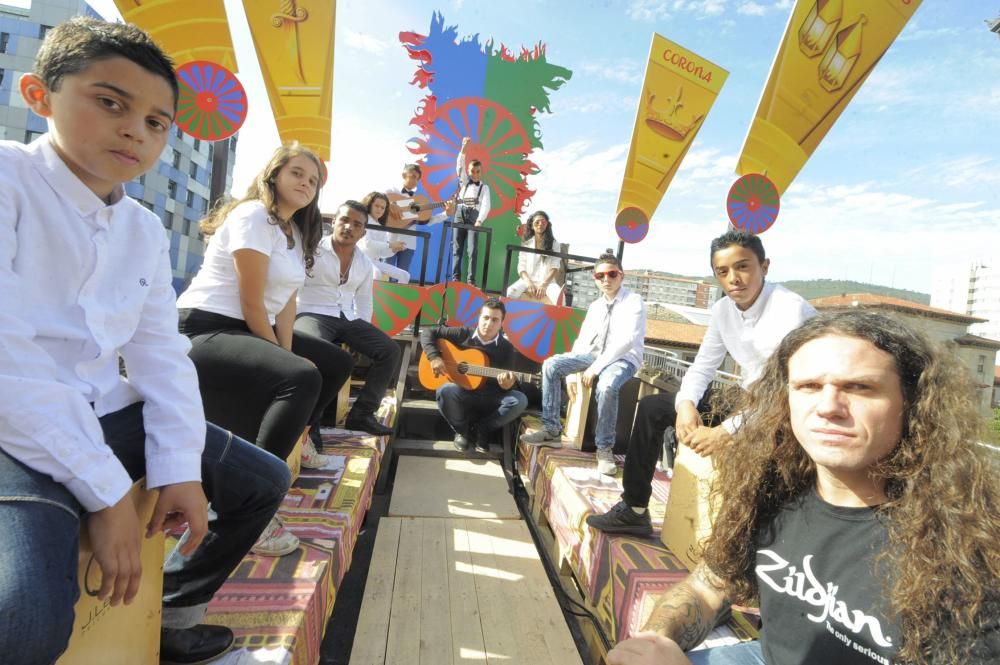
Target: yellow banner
column 186, row 30
column 678, row 90
column 829, row 49
column 294, row 42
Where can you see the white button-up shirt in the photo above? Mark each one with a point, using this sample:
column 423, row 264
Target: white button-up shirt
column 80, row 283
column 324, row 294
column 626, row 335
column 750, row 337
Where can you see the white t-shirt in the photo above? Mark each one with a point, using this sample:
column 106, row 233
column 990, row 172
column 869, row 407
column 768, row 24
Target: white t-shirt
column 215, row 287
column 538, row 266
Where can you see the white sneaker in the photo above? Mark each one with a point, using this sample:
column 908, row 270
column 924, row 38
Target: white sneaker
column 311, row 458
column 606, row 462
column 276, row 540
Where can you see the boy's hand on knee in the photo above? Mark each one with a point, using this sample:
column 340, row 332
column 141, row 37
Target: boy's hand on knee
column 588, row 378
column 177, row 504
column 647, row 649
column 114, row 534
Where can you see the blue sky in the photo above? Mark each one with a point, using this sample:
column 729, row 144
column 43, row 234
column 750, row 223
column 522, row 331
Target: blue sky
column 907, row 179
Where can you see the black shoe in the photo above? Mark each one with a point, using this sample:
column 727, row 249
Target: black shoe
column 366, row 423
column 622, row 519
column 189, row 646
column 461, row 443
column 482, row 447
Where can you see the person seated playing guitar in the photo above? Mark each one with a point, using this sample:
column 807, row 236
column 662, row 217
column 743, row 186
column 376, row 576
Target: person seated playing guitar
column 477, row 416
column 411, row 176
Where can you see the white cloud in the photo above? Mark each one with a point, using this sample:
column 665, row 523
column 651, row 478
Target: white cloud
column 624, row 70
column 365, row 42
column 650, row 11
column 751, row 9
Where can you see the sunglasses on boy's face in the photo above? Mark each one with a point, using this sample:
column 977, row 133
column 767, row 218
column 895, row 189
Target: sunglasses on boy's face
column 610, row 274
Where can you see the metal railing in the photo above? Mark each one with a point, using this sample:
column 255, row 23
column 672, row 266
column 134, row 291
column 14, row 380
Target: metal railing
column 667, row 364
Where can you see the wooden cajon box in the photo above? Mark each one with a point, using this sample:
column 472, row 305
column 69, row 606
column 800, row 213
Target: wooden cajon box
column 576, row 413
column 689, row 517
column 124, row 634
column 294, row 459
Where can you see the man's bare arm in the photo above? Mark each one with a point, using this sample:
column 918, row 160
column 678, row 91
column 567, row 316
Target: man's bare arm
column 691, row 609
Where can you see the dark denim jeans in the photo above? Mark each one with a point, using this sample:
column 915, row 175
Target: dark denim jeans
column 40, row 522
column 484, row 410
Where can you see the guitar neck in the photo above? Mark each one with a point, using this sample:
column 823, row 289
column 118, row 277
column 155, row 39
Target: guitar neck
column 493, row 372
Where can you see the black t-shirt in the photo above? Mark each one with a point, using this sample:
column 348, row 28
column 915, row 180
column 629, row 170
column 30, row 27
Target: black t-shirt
column 819, row 599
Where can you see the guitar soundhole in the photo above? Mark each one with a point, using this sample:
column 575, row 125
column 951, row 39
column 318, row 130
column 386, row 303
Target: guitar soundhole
column 463, row 367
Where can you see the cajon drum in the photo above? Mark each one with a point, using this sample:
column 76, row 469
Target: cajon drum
column 689, row 516
column 576, row 413
column 294, row 459
column 124, row 634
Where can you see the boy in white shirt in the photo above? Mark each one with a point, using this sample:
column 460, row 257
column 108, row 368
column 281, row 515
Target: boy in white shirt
column 85, row 280
column 473, row 209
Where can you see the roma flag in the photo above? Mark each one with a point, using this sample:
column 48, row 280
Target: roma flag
column 678, row 90
column 491, row 95
column 828, row 50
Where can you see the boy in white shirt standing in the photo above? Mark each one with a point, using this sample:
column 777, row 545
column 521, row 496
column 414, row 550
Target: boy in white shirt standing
column 85, row 279
column 473, row 209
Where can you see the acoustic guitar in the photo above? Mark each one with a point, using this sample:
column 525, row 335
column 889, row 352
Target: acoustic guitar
column 469, row 367
column 406, row 211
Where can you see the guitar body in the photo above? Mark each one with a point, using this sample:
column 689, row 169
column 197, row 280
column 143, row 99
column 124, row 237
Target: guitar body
column 406, row 211
column 454, row 359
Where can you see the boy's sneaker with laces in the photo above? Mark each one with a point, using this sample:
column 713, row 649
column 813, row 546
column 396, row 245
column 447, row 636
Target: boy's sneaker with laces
column 311, row 458
column 542, row 437
column 622, row 519
column 606, row 462
column 275, row 540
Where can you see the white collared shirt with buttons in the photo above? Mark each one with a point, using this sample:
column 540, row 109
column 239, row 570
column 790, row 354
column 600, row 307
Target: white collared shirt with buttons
column 324, row 294
column 80, row 283
column 408, row 240
column 627, row 333
column 750, row 337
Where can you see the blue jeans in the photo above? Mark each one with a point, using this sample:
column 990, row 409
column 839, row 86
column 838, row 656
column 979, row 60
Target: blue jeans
column 40, row 521
column 744, row 653
column 485, row 410
column 609, row 382
column 402, row 260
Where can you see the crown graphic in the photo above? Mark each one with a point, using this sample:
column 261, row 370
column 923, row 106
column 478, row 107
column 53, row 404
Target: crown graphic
column 666, row 121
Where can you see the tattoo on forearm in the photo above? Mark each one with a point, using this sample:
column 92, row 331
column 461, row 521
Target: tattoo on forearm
column 684, row 616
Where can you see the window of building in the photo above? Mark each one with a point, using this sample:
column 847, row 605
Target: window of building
column 178, row 132
column 193, row 170
column 43, row 30
column 2, row 72
column 982, row 364
column 186, row 228
column 147, row 205
column 177, row 159
column 190, row 199
column 4, row 39
column 30, row 136
column 172, row 189
column 211, row 152
column 167, row 219
column 197, row 144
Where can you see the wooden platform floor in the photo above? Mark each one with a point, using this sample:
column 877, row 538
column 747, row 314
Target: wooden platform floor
column 454, row 590
column 451, row 487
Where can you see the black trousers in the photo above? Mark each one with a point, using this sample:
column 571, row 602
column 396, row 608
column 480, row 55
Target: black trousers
column 653, row 416
column 258, row 390
column 367, row 340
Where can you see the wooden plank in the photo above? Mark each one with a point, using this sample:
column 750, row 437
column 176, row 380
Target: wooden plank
column 438, row 487
column 435, row 625
column 404, row 617
column 466, row 629
column 539, row 621
column 371, row 635
column 492, row 583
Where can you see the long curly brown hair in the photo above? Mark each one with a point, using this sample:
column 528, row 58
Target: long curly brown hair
column 942, row 562
column 308, row 219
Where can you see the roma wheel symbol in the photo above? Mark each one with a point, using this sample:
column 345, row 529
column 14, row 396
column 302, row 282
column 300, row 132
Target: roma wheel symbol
column 212, row 104
column 498, row 140
column 753, row 203
column 631, row 225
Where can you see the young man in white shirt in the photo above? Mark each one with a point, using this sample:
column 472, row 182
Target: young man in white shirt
column 608, row 351
column 748, row 323
column 473, row 209
column 336, row 305
column 85, row 281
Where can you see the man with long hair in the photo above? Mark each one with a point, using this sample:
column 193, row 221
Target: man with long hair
column 854, row 505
